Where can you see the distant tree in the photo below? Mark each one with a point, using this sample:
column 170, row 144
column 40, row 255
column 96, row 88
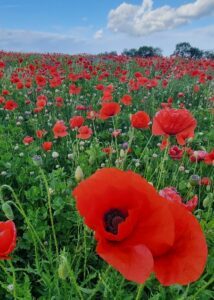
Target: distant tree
column 144, row 51
column 196, row 53
column 208, row 54
column 182, row 49
column 108, row 53
column 131, row 52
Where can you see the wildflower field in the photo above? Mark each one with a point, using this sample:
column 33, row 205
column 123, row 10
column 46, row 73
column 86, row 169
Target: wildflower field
column 106, row 177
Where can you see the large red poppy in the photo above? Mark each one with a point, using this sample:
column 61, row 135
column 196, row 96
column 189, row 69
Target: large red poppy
column 178, row 122
column 140, row 120
column 10, row 105
column 7, row 238
column 59, row 129
column 85, row 132
column 109, row 110
column 76, row 121
column 138, row 230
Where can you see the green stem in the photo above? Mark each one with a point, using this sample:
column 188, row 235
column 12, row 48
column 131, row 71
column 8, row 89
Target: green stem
column 139, row 291
column 50, row 212
column 75, row 284
column 18, row 205
column 202, row 288
column 14, row 279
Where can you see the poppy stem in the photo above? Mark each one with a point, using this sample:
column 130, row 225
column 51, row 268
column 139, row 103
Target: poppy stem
column 139, row 291
column 50, row 211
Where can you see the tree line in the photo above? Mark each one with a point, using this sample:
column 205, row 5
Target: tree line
column 181, row 49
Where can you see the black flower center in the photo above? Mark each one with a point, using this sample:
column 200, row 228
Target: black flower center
column 113, row 218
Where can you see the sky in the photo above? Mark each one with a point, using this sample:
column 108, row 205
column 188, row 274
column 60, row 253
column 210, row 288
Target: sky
column 94, row 26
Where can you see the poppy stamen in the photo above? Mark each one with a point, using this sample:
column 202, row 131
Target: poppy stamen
column 112, row 220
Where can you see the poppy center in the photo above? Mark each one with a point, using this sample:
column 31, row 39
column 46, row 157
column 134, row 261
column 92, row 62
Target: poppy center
column 112, row 219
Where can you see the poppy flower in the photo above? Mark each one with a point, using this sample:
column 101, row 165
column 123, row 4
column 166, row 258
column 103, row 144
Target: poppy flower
column 7, row 238
column 126, row 100
column 40, row 80
column 140, row 120
column 10, row 105
column 109, row 110
column 176, row 153
column 76, row 121
column 171, row 194
column 209, row 158
column 138, row 231
column 178, row 122
column 28, row 140
column 198, row 156
column 59, row 129
column 84, row 132
column 40, row 133
column 47, row 146
column 74, row 90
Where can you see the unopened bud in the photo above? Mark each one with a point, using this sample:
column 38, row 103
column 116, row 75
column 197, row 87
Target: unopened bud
column 79, row 174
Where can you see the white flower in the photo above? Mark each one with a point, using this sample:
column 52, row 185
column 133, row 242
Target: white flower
column 55, row 154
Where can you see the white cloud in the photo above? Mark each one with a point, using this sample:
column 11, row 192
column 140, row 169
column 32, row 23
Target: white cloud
column 141, row 20
column 98, row 34
column 36, row 41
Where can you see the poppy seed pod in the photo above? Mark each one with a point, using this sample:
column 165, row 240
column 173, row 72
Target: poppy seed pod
column 6, row 208
column 79, row 174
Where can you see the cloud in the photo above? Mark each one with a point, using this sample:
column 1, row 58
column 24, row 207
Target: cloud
column 141, row 20
column 98, row 34
column 36, row 41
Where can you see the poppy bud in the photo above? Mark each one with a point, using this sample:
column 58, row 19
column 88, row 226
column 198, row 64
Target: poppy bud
column 194, row 180
column 6, row 208
column 207, row 201
column 122, row 153
column 79, row 174
column 63, row 269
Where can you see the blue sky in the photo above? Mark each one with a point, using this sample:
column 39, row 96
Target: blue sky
column 94, row 26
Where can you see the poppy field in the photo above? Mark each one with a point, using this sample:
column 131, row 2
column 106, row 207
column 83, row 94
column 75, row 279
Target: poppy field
column 106, row 177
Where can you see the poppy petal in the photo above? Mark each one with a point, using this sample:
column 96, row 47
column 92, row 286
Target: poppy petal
column 134, row 263
column 156, row 129
column 185, row 262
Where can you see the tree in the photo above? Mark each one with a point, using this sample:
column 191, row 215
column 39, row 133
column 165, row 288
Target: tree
column 196, row 53
column 144, row 51
column 182, row 49
column 131, row 52
column 208, row 54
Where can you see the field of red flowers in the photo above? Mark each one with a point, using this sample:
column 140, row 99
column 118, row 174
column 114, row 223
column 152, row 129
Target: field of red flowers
column 106, row 177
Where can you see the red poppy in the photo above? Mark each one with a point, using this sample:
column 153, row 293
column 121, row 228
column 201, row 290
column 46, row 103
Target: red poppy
column 84, row 132
column 40, row 133
column 209, row 158
column 47, row 146
column 205, row 181
column 178, row 122
column 107, row 150
column 176, row 153
column 109, row 110
column 40, row 80
column 74, row 90
column 10, row 105
column 76, row 121
column 126, row 100
column 138, row 231
column 59, row 129
column 7, row 238
column 28, row 140
column 198, row 156
column 59, row 101
column 2, row 100
column 140, row 120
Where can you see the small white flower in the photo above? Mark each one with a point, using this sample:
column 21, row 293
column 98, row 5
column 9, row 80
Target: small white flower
column 55, row 154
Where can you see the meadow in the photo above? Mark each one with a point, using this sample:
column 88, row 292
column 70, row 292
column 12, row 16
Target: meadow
column 74, row 222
